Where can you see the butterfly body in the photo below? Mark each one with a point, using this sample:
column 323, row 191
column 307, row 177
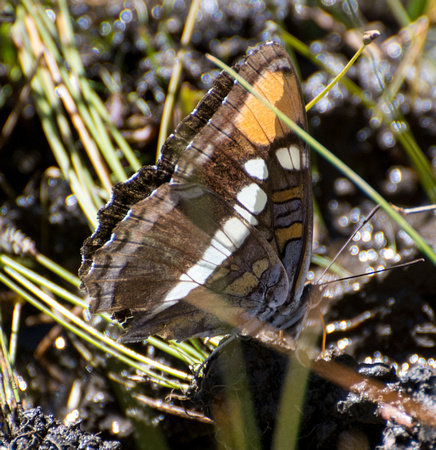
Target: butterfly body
column 227, row 239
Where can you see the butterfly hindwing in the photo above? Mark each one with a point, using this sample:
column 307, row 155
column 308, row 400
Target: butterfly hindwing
column 186, row 268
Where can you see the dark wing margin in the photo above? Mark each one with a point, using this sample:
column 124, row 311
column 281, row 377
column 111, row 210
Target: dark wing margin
column 148, row 178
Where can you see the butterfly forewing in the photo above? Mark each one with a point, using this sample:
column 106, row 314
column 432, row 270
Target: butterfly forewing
column 261, row 167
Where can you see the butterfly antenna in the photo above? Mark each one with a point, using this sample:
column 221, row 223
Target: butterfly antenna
column 368, row 218
column 385, row 269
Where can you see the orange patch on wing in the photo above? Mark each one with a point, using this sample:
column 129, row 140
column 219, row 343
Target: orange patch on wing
column 287, row 194
column 284, row 235
column 260, row 124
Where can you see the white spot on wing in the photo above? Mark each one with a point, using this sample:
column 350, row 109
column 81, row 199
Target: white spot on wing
column 289, row 158
column 166, row 304
column 223, row 244
column 253, row 198
column 246, row 215
column 179, row 291
column 236, row 230
column 212, row 258
column 196, row 275
column 304, row 161
column 257, row 168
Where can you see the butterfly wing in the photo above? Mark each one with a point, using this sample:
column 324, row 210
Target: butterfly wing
column 252, row 160
column 230, row 237
column 202, row 268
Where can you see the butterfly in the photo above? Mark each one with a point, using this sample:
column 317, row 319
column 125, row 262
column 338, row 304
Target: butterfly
column 217, row 235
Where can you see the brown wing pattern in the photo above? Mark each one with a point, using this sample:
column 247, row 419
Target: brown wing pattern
column 185, row 268
column 229, row 237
